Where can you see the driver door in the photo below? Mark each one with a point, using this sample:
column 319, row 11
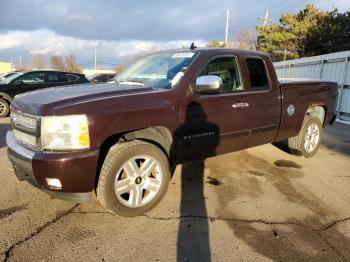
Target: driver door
column 212, row 124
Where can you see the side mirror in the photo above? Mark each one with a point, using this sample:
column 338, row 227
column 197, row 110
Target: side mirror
column 208, row 84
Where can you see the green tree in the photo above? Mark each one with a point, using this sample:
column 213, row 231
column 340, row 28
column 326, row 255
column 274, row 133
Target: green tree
column 290, row 36
column 333, row 35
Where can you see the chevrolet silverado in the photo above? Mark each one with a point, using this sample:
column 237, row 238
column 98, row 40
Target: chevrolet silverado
column 121, row 140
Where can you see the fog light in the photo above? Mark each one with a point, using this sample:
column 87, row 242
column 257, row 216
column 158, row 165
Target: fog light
column 54, row 183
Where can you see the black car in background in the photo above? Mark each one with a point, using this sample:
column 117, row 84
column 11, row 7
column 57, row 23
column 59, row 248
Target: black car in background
column 101, row 78
column 22, row 82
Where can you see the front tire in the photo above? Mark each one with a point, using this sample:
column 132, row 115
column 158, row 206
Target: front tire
column 4, row 108
column 307, row 142
column 134, row 178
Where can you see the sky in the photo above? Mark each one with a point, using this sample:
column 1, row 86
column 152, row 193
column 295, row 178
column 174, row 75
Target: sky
column 120, row 29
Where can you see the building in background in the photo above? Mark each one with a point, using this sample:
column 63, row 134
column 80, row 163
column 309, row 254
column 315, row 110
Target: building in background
column 5, row 67
column 333, row 67
column 88, row 72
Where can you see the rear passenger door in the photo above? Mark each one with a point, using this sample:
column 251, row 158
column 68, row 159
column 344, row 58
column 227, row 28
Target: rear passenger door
column 263, row 97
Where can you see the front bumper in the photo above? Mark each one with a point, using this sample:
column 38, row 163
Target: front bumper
column 75, row 170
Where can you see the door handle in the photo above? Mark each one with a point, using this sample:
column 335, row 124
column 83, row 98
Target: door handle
column 240, row 105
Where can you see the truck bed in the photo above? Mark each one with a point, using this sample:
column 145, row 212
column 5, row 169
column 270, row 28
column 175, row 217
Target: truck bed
column 302, row 93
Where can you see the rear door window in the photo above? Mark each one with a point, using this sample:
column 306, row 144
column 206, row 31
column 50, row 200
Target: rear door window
column 257, row 74
column 53, row 77
column 71, row 77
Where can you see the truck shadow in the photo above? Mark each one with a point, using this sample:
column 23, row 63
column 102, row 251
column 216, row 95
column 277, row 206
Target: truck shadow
column 3, row 130
column 193, row 242
column 295, row 238
column 282, row 145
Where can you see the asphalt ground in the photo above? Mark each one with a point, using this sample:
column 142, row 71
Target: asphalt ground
column 260, row 204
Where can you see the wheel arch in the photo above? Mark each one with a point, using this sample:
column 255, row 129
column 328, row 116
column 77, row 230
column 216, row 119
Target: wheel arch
column 6, row 97
column 157, row 135
column 318, row 111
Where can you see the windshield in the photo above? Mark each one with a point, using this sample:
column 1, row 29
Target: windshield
column 7, row 80
column 161, row 70
column 5, row 75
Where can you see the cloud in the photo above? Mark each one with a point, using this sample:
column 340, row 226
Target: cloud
column 125, row 27
column 48, row 43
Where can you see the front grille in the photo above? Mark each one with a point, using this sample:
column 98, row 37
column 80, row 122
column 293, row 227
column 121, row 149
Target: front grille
column 26, row 129
column 24, row 120
column 25, row 139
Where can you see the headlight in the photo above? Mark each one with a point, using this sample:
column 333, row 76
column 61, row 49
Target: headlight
column 65, row 132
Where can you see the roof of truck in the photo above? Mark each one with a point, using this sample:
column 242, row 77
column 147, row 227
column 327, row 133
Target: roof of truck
column 218, row 50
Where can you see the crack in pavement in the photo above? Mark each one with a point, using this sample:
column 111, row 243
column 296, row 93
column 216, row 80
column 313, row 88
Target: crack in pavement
column 8, row 252
column 332, row 247
column 259, row 221
column 4, row 213
column 37, row 231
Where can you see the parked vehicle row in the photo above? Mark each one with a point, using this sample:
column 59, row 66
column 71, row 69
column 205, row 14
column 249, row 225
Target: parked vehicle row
column 121, row 141
column 15, row 83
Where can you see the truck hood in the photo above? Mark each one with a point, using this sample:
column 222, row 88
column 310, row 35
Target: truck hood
column 34, row 102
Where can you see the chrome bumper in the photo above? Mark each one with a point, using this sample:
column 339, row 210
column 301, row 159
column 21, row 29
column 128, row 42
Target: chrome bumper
column 21, row 159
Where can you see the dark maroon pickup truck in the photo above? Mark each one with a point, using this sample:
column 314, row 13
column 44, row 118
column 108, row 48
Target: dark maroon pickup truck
column 121, row 140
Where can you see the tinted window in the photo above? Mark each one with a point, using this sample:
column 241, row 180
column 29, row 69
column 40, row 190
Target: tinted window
column 32, row 78
column 226, row 68
column 71, row 78
column 257, row 74
column 107, row 78
column 53, row 78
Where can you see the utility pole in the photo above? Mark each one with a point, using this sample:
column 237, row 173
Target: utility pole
column 226, row 27
column 20, row 62
column 265, row 19
column 100, row 53
column 95, row 58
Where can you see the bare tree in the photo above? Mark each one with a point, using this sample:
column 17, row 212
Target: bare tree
column 22, row 67
column 71, row 64
column 134, row 57
column 57, row 63
column 140, row 54
column 245, row 39
column 38, row 61
column 118, row 68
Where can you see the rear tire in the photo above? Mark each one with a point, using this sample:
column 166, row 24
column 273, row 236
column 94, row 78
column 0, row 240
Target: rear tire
column 4, row 108
column 307, row 142
column 134, row 178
